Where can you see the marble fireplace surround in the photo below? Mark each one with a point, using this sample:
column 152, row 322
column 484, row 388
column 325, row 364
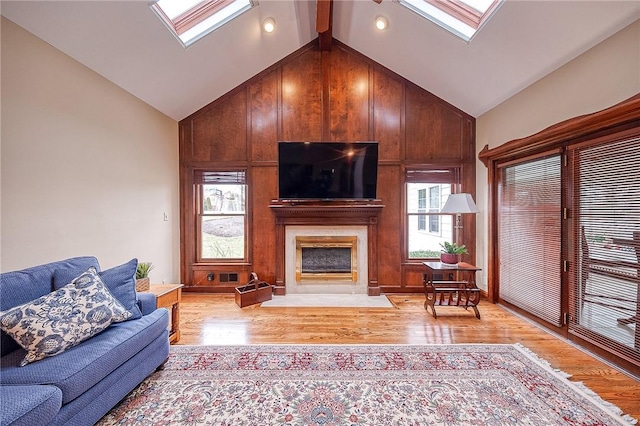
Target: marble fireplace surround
column 334, row 217
column 326, row 286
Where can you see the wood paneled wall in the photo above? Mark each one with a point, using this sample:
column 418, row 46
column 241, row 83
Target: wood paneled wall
column 313, row 95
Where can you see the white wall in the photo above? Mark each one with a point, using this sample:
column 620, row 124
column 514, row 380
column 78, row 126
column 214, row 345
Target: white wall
column 601, row 77
column 86, row 168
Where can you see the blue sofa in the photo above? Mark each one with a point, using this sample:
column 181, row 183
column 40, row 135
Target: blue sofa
column 81, row 384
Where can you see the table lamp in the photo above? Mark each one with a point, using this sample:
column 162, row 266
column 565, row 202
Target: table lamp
column 458, row 204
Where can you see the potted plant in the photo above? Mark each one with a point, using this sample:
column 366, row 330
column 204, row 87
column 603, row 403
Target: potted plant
column 451, row 252
column 142, row 276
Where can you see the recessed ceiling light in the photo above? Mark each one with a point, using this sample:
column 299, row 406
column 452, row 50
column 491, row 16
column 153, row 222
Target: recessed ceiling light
column 381, row 22
column 269, row 25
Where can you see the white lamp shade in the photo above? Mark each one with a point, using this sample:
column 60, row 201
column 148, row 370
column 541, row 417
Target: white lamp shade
column 459, row 203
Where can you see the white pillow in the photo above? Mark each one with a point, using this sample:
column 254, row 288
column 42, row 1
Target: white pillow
column 64, row 318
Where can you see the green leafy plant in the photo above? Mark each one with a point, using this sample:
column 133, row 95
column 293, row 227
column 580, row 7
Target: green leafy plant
column 453, row 248
column 143, row 269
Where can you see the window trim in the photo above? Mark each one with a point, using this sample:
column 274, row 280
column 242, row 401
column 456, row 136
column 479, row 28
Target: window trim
column 463, row 12
column 194, row 16
column 464, row 20
column 198, row 14
column 432, row 174
column 219, row 176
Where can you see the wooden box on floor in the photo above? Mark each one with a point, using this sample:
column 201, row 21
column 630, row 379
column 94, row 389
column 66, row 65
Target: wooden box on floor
column 252, row 293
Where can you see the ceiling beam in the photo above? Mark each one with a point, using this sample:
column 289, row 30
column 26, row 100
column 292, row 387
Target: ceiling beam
column 324, row 23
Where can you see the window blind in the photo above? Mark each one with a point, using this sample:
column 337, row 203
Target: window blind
column 606, row 280
column 529, row 231
column 433, row 175
column 219, row 177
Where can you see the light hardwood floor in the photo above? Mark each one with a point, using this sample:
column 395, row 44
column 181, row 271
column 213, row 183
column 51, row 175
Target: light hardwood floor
column 211, row 319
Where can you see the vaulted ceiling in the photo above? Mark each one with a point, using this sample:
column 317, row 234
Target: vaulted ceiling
column 125, row 42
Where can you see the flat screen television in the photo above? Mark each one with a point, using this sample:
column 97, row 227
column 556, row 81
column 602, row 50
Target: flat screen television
column 327, row 170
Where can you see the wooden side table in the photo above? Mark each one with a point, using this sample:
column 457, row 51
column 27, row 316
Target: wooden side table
column 463, row 293
column 169, row 296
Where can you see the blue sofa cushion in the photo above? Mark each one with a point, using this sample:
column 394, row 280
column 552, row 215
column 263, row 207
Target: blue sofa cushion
column 147, row 302
column 81, row 367
column 121, row 281
column 29, row 405
column 64, row 318
column 23, row 286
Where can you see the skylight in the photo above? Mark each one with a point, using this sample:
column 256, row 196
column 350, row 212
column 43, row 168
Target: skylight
column 190, row 20
column 460, row 17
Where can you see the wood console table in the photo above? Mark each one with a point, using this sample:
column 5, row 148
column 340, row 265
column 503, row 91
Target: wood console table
column 169, row 296
column 458, row 292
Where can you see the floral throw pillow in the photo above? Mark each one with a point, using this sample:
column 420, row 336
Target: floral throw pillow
column 64, row 318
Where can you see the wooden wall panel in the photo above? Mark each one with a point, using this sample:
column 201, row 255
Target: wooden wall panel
column 337, row 95
column 348, row 97
column 413, row 277
column 434, row 130
column 388, row 94
column 422, row 126
column 202, row 130
column 263, row 223
column 206, row 278
column 302, row 98
column 263, row 106
column 450, row 126
column 389, row 225
column 220, row 132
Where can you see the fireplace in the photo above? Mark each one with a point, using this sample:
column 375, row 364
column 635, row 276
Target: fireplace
column 330, row 258
column 326, row 259
column 327, row 218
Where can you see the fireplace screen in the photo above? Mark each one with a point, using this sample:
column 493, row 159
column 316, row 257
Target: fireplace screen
column 326, row 258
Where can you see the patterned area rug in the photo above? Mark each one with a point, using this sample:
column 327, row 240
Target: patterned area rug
column 360, row 385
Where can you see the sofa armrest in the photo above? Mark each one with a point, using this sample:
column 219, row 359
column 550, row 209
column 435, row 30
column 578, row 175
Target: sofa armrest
column 146, row 302
column 27, row 405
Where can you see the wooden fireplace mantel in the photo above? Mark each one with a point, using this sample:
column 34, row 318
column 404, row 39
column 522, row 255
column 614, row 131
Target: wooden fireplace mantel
column 327, row 213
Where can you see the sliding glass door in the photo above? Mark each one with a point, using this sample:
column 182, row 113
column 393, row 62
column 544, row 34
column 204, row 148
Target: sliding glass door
column 529, row 236
column 604, row 295
column 564, row 229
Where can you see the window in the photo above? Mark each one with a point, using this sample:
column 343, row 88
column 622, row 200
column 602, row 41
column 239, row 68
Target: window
column 190, row 20
column 422, row 208
column 435, row 204
column 462, row 18
column 426, row 228
column 221, row 215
